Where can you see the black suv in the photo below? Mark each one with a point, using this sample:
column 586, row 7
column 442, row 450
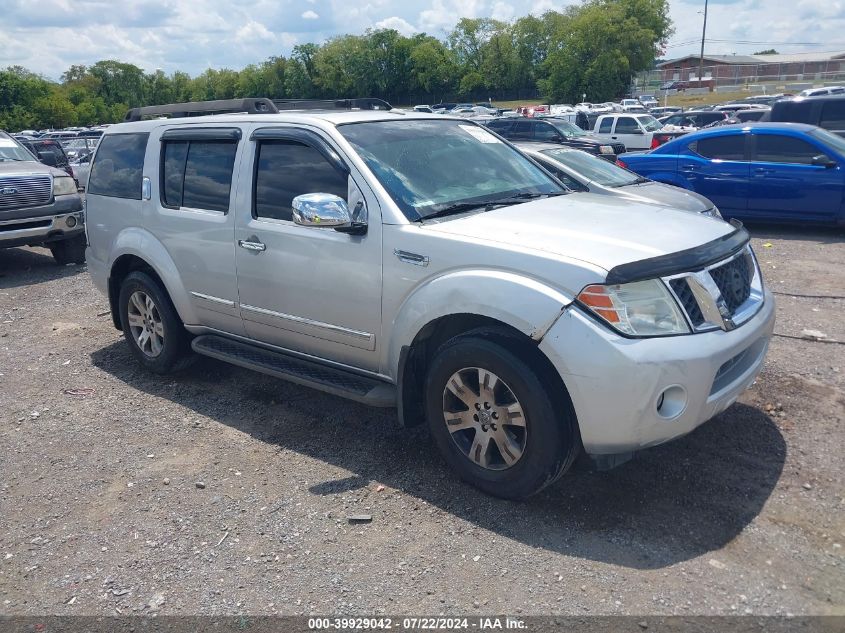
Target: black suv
column 696, row 118
column 827, row 111
column 551, row 130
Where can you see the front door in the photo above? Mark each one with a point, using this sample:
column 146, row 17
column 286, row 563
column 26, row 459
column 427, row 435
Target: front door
column 785, row 185
column 308, row 289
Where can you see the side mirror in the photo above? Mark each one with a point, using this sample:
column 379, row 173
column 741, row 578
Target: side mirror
column 325, row 210
column 48, row 158
column 823, row 161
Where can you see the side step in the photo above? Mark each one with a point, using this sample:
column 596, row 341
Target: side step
column 339, row 382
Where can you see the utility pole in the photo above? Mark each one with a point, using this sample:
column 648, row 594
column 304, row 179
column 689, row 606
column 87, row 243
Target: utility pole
column 701, row 58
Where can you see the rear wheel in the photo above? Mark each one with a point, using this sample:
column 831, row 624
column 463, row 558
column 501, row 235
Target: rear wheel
column 151, row 325
column 70, row 251
column 494, row 419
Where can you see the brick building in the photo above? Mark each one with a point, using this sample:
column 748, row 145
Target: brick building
column 739, row 69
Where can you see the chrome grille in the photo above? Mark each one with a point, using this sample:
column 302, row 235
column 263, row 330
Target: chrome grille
column 734, row 281
column 688, row 302
column 724, row 295
column 25, row 191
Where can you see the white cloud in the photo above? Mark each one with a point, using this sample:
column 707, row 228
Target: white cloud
column 397, row 24
column 222, row 33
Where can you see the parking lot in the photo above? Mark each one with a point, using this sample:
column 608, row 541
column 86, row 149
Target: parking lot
column 223, row 491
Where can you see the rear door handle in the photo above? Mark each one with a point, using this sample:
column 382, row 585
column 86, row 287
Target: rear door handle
column 252, row 244
column 688, row 167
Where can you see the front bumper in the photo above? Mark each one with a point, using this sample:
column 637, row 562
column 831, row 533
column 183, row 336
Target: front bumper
column 37, row 230
column 616, row 383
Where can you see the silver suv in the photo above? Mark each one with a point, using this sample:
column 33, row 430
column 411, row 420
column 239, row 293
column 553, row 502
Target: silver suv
column 422, row 262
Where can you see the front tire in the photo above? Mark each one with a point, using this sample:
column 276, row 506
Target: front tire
column 151, row 325
column 496, row 420
column 70, row 251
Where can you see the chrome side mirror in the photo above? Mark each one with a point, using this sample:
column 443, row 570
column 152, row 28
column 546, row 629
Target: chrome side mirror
column 325, row 210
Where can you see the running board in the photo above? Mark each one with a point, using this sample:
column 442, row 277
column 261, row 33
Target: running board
column 339, row 382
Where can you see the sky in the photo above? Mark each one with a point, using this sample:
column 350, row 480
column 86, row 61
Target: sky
column 48, row 36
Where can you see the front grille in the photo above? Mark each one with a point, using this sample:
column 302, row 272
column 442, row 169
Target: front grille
column 734, row 281
column 25, row 191
column 618, row 148
column 682, row 291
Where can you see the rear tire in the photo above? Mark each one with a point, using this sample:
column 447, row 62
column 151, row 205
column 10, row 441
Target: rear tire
column 151, row 325
column 511, row 440
column 70, row 251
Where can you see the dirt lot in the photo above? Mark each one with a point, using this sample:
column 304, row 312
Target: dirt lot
column 101, row 512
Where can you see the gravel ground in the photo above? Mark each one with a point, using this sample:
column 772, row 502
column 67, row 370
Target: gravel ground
column 224, row 491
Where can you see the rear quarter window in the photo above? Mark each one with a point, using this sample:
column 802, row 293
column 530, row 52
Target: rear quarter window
column 118, row 166
column 833, row 115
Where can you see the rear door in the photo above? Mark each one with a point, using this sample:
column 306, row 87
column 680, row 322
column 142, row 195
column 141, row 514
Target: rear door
column 785, row 185
column 627, row 130
column 717, row 167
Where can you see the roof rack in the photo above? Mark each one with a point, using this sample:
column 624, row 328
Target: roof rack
column 365, row 103
column 253, row 105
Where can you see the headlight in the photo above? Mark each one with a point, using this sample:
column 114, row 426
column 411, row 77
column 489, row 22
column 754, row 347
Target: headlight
column 640, row 308
column 606, row 149
column 63, row 185
column 713, row 213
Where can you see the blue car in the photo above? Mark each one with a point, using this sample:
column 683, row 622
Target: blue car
column 772, row 172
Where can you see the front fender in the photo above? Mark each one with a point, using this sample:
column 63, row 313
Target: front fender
column 523, row 303
column 144, row 245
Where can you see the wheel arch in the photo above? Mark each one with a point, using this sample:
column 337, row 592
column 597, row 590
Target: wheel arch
column 136, row 249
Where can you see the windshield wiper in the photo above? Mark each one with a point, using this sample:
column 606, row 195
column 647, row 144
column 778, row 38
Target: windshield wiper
column 486, row 205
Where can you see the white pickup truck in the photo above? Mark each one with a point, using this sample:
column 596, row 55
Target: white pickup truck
column 636, row 131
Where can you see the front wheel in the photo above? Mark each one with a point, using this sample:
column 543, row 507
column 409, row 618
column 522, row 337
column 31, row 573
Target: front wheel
column 494, row 419
column 70, row 251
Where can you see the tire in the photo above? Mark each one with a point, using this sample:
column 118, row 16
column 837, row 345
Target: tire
column 70, row 251
column 151, row 325
column 544, row 439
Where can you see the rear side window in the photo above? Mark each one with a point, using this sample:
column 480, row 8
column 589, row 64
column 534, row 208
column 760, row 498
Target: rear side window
column 118, row 168
column 545, row 132
column 606, row 125
column 500, row 126
column 730, row 147
column 833, row 115
column 627, row 125
column 522, row 129
column 198, row 174
column 772, row 148
column 286, row 169
column 792, row 111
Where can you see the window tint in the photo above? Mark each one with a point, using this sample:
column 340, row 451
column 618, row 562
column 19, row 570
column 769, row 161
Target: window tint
column 833, row 115
column 287, row 169
column 545, row 132
column 500, row 126
column 522, row 130
column 198, row 174
column 730, row 147
column 174, row 172
column 772, row 148
column 606, row 125
column 119, row 165
column 626, row 125
column 565, row 178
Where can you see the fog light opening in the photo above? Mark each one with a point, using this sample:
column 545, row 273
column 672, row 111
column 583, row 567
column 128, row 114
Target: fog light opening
column 671, row 402
column 70, row 221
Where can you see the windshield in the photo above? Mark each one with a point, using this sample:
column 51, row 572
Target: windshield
column 829, row 138
column 77, row 143
column 429, row 166
column 10, row 150
column 593, row 168
column 567, row 129
column 650, row 123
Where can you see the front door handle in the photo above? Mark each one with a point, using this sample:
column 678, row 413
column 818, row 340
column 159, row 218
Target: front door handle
column 252, row 244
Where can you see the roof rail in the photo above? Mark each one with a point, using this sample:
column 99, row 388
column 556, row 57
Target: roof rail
column 365, row 103
column 258, row 105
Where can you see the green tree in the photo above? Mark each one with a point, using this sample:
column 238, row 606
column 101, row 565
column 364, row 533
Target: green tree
column 433, row 66
column 601, row 46
column 768, row 51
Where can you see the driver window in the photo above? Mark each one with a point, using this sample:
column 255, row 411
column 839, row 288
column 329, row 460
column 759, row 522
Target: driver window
column 286, row 169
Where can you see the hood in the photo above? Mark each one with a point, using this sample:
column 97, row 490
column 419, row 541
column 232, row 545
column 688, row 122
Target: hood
column 26, row 168
column 601, row 230
column 666, row 195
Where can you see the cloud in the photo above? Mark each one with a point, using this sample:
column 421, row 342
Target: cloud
column 397, row 24
column 192, row 35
